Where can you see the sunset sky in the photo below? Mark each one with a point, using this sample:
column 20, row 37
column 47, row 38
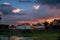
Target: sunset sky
column 14, row 11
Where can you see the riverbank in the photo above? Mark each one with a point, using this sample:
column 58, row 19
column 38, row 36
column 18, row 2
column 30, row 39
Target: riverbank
column 43, row 35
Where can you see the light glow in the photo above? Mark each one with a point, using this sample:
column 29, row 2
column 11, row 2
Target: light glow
column 6, row 3
column 36, row 7
column 16, row 10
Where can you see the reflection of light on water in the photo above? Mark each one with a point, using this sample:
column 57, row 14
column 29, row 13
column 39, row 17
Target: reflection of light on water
column 2, row 37
column 23, row 38
column 19, row 38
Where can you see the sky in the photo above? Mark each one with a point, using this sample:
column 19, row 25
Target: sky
column 15, row 12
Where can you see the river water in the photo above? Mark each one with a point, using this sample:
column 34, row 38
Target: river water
column 18, row 38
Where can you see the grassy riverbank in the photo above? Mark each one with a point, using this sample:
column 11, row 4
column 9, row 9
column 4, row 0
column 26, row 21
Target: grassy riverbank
column 41, row 35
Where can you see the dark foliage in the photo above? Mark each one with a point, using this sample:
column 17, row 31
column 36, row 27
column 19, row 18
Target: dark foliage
column 59, row 38
column 46, row 24
column 4, row 28
column 55, row 24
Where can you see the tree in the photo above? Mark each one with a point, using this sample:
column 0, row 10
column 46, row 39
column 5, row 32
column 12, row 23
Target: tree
column 55, row 24
column 46, row 24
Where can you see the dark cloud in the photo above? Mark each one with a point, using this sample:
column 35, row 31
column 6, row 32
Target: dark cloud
column 45, row 12
column 6, row 8
column 49, row 1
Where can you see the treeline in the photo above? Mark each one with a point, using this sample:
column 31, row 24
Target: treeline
column 55, row 24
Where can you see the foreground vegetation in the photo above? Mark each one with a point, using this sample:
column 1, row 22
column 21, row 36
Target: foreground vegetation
column 46, row 35
column 42, row 36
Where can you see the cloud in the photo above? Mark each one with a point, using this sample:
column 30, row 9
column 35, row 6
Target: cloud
column 37, row 13
column 16, row 10
column 6, row 8
column 44, row 12
column 36, row 7
column 6, row 3
column 52, row 3
column 49, row 1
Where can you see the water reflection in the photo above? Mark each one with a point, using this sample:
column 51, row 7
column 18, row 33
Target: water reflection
column 4, row 37
column 23, row 38
column 18, row 38
column 26, row 38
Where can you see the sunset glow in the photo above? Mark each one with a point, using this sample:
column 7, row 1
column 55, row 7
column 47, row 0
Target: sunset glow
column 38, row 21
column 48, row 20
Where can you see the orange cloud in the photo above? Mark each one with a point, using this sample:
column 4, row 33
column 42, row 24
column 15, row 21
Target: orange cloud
column 38, row 21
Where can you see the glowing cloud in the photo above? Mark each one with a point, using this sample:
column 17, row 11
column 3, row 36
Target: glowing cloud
column 36, row 7
column 16, row 10
column 6, row 3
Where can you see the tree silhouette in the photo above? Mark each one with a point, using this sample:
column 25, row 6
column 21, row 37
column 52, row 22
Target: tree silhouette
column 46, row 24
column 38, row 24
column 55, row 24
